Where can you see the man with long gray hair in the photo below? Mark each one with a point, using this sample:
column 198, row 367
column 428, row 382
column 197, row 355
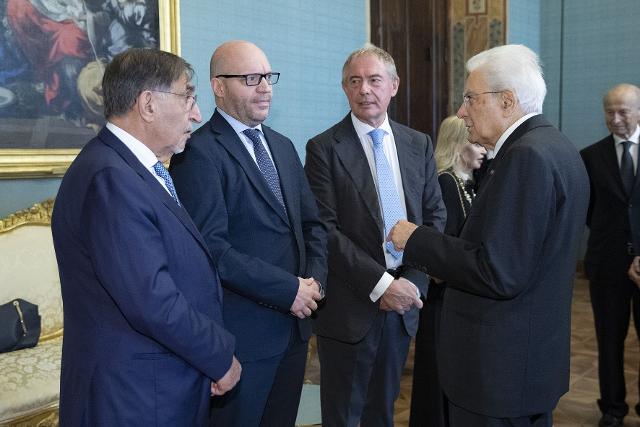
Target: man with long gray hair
column 505, row 328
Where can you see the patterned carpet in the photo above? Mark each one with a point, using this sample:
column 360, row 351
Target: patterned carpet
column 576, row 408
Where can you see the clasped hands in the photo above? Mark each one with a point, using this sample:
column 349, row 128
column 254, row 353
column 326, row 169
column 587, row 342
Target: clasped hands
column 229, row 380
column 400, row 296
column 308, row 294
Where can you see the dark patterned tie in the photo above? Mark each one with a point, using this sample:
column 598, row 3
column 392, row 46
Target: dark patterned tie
column 162, row 173
column 265, row 164
column 626, row 167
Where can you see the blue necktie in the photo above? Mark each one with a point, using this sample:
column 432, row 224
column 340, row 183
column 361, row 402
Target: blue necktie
column 389, row 199
column 265, row 164
column 626, row 167
column 162, row 173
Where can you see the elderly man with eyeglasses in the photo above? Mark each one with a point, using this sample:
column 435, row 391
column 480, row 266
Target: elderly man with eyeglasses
column 246, row 190
column 505, row 328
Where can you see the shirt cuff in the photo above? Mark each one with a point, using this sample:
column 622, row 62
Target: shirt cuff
column 381, row 286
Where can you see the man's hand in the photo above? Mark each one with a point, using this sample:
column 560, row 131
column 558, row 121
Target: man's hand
column 400, row 296
column 305, row 302
column 228, row 381
column 400, row 233
column 634, row 271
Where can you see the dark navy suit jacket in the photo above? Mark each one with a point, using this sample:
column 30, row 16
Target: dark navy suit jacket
column 259, row 250
column 142, row 303
column 505, row 327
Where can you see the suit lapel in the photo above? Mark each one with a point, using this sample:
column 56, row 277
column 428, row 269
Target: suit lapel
column 112, row 141
column 409, row 159
column 352, row 156
column 227, row 137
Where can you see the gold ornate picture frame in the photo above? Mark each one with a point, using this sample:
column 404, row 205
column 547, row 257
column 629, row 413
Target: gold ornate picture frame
column 48, row 163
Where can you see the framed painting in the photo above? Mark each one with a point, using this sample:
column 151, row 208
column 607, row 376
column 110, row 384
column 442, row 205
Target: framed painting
column 52, row 58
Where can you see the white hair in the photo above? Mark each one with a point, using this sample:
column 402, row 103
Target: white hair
column 513, row 67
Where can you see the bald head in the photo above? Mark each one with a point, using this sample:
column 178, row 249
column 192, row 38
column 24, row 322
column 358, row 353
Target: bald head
column 622, row 109
column 235, row 59
column 233, row 54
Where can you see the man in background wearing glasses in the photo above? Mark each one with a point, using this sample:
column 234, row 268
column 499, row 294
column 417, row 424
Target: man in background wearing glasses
column 245, row 188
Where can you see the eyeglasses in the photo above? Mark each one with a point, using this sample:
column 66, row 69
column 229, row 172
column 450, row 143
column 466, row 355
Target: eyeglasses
column 470, row 98
column 190, row 99
column 254, row 79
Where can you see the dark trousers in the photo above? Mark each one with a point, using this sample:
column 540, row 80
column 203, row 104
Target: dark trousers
column 460, row 417
column 612, row 304
column 360, row 382
column 268, row 393
column 428, row 404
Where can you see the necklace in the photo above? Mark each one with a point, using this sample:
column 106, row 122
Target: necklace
column 463, row 193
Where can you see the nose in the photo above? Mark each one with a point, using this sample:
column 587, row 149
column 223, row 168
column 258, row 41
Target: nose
column 264, row 86
column 195, row 115
column 462, row 111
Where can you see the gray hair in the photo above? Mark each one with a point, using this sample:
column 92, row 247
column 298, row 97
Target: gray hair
column 513, row 67
column 135, row 70
column 372, row 50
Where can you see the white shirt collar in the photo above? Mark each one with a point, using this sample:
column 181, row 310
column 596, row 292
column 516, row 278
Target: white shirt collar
column 141, row 151
column 236, row 124
column 633, row 138
column 362, row 128
column 507, row 133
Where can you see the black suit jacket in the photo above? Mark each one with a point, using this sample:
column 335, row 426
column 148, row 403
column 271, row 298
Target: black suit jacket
column 259, row 251
column 341, row 179
column 505, row 327
column 610, row 212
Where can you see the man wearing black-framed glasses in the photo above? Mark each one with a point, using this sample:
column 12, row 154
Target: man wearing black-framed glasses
column 245, row 188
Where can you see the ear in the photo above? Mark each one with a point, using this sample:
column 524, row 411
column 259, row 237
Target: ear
column 508, row 102
column 218, row 87
column 395, row 85
column 146, row 106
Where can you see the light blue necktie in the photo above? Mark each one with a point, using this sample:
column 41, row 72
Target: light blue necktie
column 389, row 199
column 162, row 173
column 265, row 164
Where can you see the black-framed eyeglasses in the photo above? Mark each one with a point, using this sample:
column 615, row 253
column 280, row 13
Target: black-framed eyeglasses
column 190, row 99
column 469, row 98
column 254, row 79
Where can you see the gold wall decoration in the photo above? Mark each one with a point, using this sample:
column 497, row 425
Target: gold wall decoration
column 476, row 25
column 27, row 162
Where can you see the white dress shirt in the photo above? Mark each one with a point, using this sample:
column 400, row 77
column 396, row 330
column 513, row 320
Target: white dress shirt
column 391, row 153
column 141, row 151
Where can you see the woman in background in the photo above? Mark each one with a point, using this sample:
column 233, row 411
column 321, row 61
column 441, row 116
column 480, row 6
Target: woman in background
column 456, row 159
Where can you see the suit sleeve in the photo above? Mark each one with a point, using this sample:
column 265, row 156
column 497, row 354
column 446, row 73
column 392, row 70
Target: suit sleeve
column 132, row 266
column 592, row 194
column 434, row 213
column 501, row 264
column 348, row 260
column 199, row 184
column 313, row 230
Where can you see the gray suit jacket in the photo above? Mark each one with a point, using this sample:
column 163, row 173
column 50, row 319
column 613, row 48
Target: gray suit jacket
column 340, row 177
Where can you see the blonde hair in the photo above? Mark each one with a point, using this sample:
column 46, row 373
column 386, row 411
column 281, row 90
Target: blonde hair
column 451, row 139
